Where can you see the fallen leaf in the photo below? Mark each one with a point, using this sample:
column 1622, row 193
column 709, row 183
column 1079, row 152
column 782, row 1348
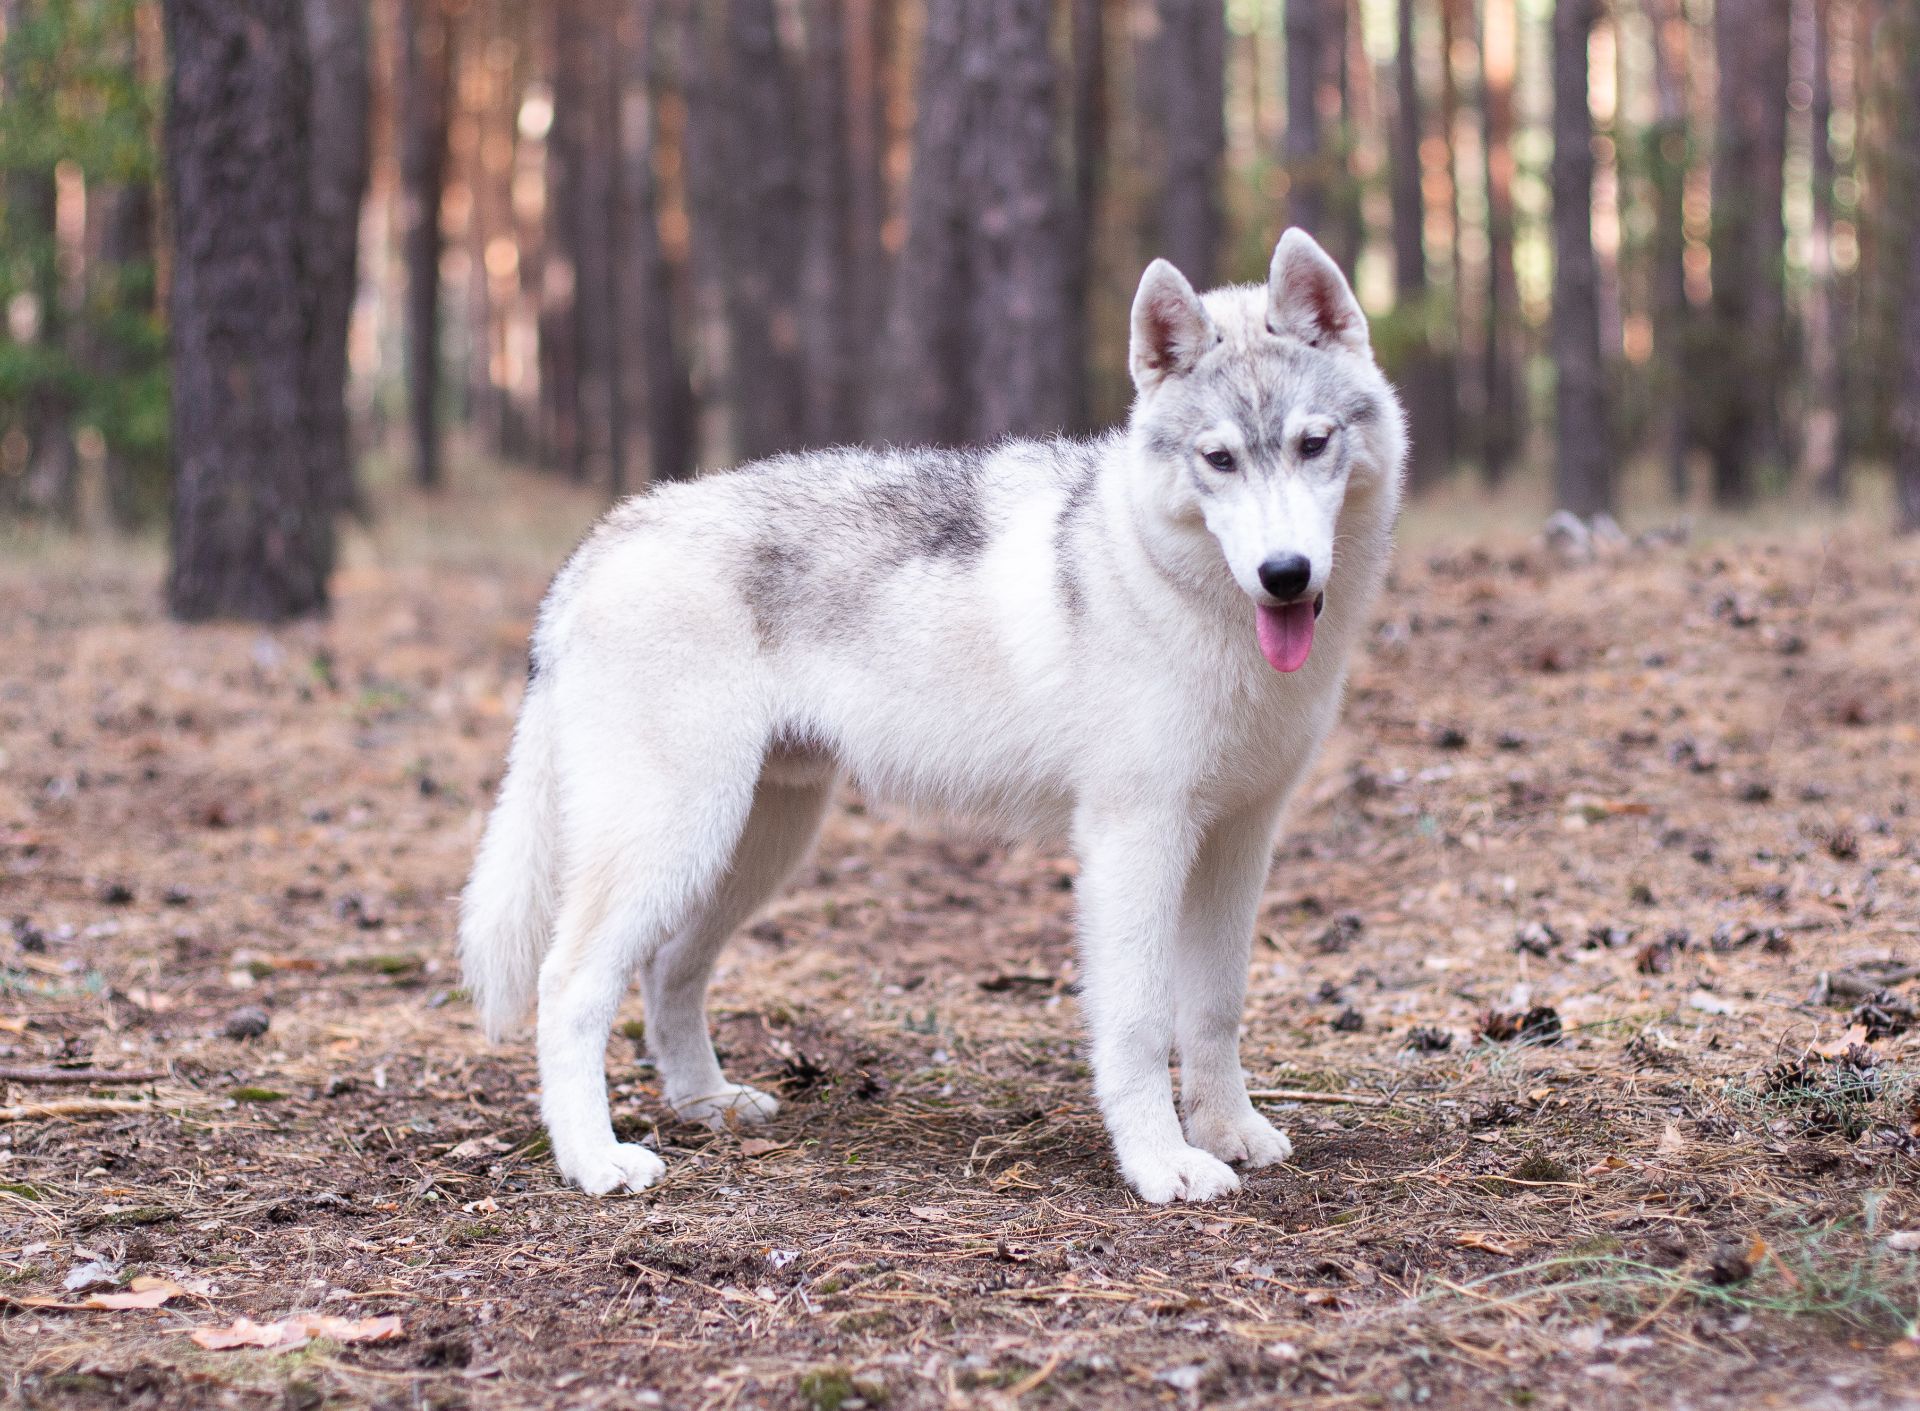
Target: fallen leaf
column 1671, row 1142
column 761, row 1146
column 1842, row 1046
column 1485, row 1239
column 1708, row 1003
column 1906, row 1241
column 297, row 1331
column 143, row 1292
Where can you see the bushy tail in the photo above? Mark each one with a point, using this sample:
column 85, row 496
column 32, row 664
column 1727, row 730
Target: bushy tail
column 506, row 912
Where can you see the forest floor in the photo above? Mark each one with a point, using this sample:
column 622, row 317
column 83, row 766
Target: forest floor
column 1656, row 812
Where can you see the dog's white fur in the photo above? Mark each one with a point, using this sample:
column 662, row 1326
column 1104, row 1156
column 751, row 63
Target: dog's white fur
column 1060, row 636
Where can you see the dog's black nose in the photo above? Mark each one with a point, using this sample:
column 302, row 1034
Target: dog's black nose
column 1286, row 575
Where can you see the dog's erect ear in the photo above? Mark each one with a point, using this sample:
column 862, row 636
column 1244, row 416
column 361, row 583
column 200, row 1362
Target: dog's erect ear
column 1309, row 299
column 1170, row 327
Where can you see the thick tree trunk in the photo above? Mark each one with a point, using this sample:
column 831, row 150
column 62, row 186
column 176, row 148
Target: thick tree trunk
column 744, row 166
column 828, row 336
column 978, row 343
column 1183, row 82
column 337, row 183
column 426, row 50
column 1583, row 481
column 587, row 135
column 1666, row 148
column 1088, row 41
column 252, row 530
column 652, row 354
column 1024, row 380
column 1501, row 403
column 560, row 353
column 1749, row 238
column 1309, row 35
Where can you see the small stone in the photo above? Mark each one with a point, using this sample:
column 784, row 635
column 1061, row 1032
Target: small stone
column 249, row 1021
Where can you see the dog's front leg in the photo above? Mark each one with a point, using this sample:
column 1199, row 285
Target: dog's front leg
column 1216, row 933
column 1133, row 870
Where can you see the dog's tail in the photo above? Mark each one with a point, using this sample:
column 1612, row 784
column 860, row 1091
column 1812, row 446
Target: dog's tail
column 506, row 912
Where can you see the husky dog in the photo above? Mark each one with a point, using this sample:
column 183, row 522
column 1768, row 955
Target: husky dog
column 1140, row 640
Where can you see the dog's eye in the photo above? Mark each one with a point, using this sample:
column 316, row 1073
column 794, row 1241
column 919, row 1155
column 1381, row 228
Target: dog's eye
column 1312, row 445
column 1220, row 460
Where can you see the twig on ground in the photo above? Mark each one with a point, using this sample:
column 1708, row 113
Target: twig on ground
column 1308, row 1095
column 78, row 1075
column 72, row 1107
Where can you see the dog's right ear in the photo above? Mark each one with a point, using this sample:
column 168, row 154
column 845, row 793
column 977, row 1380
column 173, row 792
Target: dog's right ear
column 1171, row 328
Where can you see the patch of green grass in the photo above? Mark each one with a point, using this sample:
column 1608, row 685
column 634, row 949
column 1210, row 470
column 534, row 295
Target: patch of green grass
column 831, row 1388
column 132, row 1217
column 24, row 1190
column 252, row 1094
column 476, row 1231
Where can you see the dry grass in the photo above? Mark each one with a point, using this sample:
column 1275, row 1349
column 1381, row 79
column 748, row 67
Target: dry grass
column 1547, row 774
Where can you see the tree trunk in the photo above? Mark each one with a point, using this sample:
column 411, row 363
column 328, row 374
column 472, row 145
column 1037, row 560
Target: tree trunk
column 1183, row 78
column 1583, row 479
column 252, row 527
column 1088, row 39
column 1824, row 450
column 1423, row 376
column 652, row 346
column 1303, row 149
column 1666, row 148
column 587, row 136
column 744, row 166
column 337, row 183
column 426, row 50
column 1749, row 238
column 1904, row 156
column 1501, row 425
column 828, row 335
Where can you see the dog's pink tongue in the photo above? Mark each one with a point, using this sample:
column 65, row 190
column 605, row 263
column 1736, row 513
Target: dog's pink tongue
column 1286, row 635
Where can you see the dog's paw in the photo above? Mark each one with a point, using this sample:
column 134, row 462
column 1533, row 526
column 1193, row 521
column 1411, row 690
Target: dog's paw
column 620, row 1166
column 735, row 1105
column 1184, row 1173
column 1247, row 1138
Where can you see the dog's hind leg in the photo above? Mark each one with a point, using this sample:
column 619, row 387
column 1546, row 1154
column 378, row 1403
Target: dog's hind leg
column 647, row 838
column 781, row 827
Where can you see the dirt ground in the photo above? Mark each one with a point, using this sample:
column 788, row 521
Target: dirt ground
column 1605, row 903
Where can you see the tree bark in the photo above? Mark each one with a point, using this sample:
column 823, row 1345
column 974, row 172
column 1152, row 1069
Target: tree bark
column 252, row 527
column 1423, row 376
column 336, row 33
column 653, row 357
column 1749, row 238
column 1183, row 71
column 1583, row 480
column 1666, row 148
column 426, row 54
column 828, row 273
column 1905, row 156
column 1502, row 404
column 978, row 340
column 1088, row 41
column 1823, row 450
column 1304, row 148
column 744, row 169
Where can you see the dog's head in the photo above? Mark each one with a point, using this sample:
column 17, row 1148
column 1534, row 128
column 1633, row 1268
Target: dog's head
column 1262, row 411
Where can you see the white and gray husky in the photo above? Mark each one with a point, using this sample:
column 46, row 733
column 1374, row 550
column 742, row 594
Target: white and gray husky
column 1140, row 640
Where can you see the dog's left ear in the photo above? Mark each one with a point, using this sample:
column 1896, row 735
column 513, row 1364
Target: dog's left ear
column 1309, row 299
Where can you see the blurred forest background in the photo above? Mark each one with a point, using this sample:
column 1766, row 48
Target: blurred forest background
column 1616, row 250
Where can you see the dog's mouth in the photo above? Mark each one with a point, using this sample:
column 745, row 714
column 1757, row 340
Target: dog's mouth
column 1286, row 632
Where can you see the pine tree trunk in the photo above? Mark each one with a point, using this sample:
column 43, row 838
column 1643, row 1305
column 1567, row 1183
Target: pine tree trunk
column 828, row 273
column 590, row 143
column 1184, row 67
column 1088, row 43
column 337, row 43
column 1905, row 158
column 1824, row 449
column 426, row 50
column 252, row 525
column 1749, row 238
column 1423, row 377
column 652, row 346
column 744, row 166
column 1024, row 381
column 1501, row 426
column 1666, row 145
column 1303, row 148
column 929, row 352
column 1583, row 479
